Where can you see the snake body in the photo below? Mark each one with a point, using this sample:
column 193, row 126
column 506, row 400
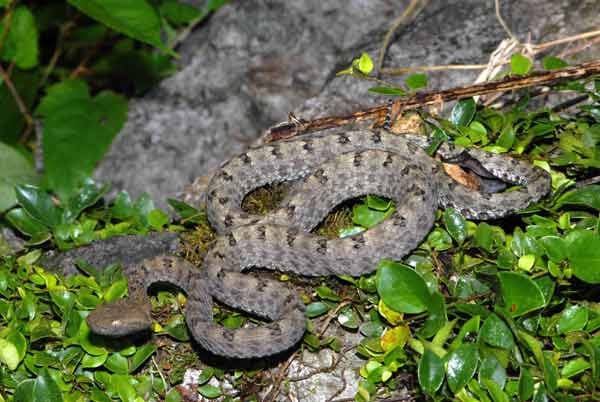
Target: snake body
column 327, row 169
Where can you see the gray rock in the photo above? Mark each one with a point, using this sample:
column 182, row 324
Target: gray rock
column 255, row 61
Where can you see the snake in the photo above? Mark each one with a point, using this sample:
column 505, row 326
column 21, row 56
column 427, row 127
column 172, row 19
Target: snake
column 325, row 169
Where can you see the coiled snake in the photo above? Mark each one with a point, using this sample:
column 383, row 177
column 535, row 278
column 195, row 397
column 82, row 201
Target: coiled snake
column 328, row 169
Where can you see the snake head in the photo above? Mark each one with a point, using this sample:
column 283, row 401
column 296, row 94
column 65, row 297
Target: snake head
column 121, row 317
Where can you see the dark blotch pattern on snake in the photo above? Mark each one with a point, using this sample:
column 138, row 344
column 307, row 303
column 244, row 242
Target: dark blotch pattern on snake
column 328, row 169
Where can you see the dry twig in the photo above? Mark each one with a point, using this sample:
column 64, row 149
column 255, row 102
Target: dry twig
column 378, row 113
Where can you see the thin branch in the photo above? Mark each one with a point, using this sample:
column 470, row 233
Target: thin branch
column 20, row 104
column 378, row 113
column 7, row 20
column 503, row 23
column 409, row 14
column 443, row 67
column 533, row 49
column 560, row 41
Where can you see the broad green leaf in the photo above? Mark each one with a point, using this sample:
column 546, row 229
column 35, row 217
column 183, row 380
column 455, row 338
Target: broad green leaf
column 14, row 169
column 135, row 18
column 173, row 396
column 555, row 247
column 117, row 363
column 588, row 196
column 496, row 333
column 507, row 137
column 461, row 366
column 368, row 217
column 41, row 389
column 157, row 219
column 316, row 309
column 21, row 220
column 573, row 318
column 85, row 197
column 62, row 93
column 77, row 133
column 437, row 317
column 326, row 293
column 463, row 112
column 39, row 205
column 401, row 287
column 455, row 224
column 21, row 44
column 348, row 318
column 520, row 64
column 439, row 239
column 9, row 354
column 179, row 13
column 491, row 369
column 521, row 295
column 430, row 372
column 121, row 385
column 495, row 391
column 553, row 63
column 574, row 367
column 416, row 81
column 584, row 255
column 209, row 391
column 395, row 337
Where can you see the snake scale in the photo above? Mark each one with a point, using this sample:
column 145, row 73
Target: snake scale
column 327, row 169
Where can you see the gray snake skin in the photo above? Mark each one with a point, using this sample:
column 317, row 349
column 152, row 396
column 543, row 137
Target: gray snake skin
column 328, row 169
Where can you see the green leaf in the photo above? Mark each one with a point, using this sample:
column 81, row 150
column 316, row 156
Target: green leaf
column 117, row 363
column 41, row 389
column 134, row 18
column 520, row 64
column 463, row 112
column 437, row 317
column 14, row 169
column 364, row 64
column 416, row 81
column 584, row 255
column 179, row 13
column 588, row 196
column 496, row 333
column 525, row 385
column 461, row 366
column 521, row 295
column 85, row 197
column 69, row 156
column 555, row 247
column 326, row 293
column 21, row 43
column 390, row 91
column 121, row 384
column 401, row 287
column 491, row 369
column 553, row 63
column 141, row 355
column 573, row 318
column 9, row 354
column 348, row 318
column 209, row 391
column 157, row 219
column 455, row 224
column 39, row 205
column 367, row 217
column 430, row 372
column 316, row 309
